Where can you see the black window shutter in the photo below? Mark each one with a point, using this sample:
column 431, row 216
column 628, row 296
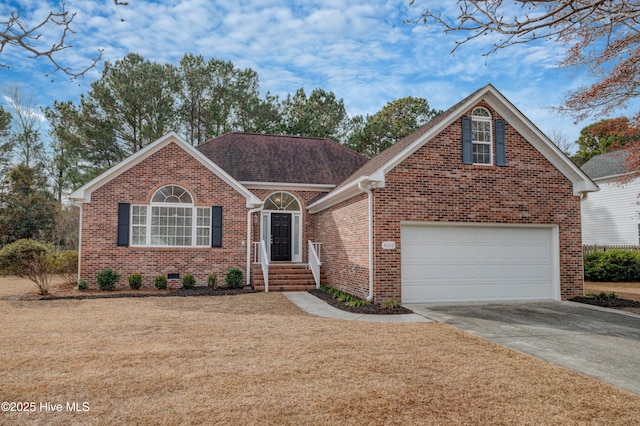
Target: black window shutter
column 501, row 152
column 123, row 224
column 216, row 226
column 467, row 143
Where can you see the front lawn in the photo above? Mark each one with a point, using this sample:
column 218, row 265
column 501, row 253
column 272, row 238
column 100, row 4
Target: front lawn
column 257, row 359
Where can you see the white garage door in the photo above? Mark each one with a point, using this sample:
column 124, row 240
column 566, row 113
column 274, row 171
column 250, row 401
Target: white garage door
column 478, row 263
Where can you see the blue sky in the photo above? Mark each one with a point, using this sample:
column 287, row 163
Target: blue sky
column 364, row 53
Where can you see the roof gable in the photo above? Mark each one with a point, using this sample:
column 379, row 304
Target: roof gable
column 252, row 157
column 606, row 165
column 373, row 173
column 83, row 194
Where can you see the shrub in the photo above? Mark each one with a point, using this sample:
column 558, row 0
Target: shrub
column 107, row 279
column 612, row 265
column 234, row 278
column 65, row 264
column 603, row 296
column 28, row 259
column 160, row 282
column 135, row 281
column 212, row 281
column 390, row 304
column 83, row 284
column 356, row 303
column 345, row 297
column 188, row 281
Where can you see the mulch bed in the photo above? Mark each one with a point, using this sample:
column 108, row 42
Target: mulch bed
column 372, row 308
column 606, row 302
column 181, row 292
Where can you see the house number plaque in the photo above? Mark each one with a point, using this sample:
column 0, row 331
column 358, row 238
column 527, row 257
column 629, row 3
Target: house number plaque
column 388, row 245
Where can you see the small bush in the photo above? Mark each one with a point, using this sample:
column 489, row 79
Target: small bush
column 135, row 281
column 345, row 297
column 160, row 282
column 390, row 304
column 28, row 259
column 612, row 266
column 188, row 281
column 212, row 281
column 603, row 296
column 107, row 279
column 65, row 264
column 83, row 284
column 235, row 278
column 356, row 303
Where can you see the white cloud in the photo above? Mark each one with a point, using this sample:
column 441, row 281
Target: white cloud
column 363, row 52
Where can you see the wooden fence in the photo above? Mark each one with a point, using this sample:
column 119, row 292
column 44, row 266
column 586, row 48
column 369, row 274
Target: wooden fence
column 586, row 249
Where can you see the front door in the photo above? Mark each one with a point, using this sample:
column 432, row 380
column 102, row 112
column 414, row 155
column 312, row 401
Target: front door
column 280, row 237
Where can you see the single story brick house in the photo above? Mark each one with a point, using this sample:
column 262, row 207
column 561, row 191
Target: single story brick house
column 476, row 205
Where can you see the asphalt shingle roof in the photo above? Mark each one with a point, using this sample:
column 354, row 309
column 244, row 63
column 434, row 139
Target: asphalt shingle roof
column 607, row 164
column 252, row 157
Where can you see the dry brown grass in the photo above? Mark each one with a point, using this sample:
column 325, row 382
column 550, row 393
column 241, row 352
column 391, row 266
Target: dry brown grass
column 257, row 359
column 629, row 291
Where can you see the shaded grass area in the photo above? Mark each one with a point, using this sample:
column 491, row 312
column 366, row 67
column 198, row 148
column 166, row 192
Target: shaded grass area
column 257, row 359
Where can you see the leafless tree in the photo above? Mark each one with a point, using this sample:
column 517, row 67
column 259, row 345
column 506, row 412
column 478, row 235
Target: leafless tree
column 560, row 139
column 601, row 35
column 15, row 32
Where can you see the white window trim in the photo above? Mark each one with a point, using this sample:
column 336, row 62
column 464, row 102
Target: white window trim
column 148, row 223
column 474, row 142
column 147, row 226
column 296, row 240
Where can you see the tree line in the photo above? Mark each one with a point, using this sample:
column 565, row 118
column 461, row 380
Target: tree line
column 135, row 102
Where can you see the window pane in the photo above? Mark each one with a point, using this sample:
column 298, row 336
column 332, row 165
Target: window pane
column 172, row 194
column 171, row 226
column 296, row 231
column 481, row 153
column 281, row 201
column 203, row 226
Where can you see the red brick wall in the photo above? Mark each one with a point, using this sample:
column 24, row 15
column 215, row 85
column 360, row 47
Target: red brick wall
column 434, row 186
column 171, row 165
column 344, row 231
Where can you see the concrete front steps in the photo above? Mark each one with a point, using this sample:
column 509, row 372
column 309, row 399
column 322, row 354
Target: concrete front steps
column 285, row 277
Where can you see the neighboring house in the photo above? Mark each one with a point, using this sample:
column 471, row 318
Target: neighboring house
column 611, row 216
column 476, row 205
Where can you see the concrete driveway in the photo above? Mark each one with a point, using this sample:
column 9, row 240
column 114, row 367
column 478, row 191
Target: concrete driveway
column 601, row 343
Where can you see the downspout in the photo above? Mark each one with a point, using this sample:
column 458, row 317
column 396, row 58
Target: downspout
column 367, row 186
column 249, row 242
column 79, row 205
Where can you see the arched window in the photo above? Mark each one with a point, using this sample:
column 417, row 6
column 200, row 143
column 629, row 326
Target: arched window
column 481, row 135
column 172, row 194
column 281, row 201
column 171, row 220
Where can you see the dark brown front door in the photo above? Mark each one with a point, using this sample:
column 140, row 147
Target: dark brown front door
column 280, row 237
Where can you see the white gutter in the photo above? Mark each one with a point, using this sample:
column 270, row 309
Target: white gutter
column 79, row 240
column 368, row 186
column 249, row 244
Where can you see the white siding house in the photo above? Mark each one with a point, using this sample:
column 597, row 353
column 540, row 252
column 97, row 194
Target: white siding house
column 611, row 216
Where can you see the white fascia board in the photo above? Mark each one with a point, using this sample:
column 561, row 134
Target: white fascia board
column 338, row 196
column 616, row 176
column 283, row 186
column 581, row 182
column 83, row 194
column 427, row 136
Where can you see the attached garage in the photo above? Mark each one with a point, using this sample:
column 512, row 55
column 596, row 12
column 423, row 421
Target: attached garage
column 478, row 263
